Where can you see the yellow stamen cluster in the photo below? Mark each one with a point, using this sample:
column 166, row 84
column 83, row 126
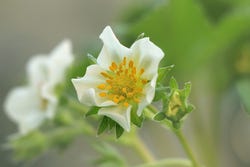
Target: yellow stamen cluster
column 124, row 84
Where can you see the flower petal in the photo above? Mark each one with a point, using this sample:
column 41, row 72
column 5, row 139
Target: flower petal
column 48, row 94
column 147, row 56
column 119, row 114
column 112, row 50
column 22, row 106
column 37, row 69
column 60, row 59
column 32, row 122
column 149, row 95
column 86, row 87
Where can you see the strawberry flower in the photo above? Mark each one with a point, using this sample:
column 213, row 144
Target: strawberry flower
column 123, row 77
column 30, row 105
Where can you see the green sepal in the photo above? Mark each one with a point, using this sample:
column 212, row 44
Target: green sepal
column 173, row 83
column 92, row 111
column 190, row 108
column 140, row 36
column 111, row 123
column 160, row 91
column 187, row 89
column 119, row 131
column 159, row 116
column 103, row 125
column 163, row 71
column 92, row 59
column 135, row 119
column 165, row 101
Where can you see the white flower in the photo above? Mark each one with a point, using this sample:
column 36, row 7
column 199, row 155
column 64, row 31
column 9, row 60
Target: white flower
column 122, row 77
column 30, row 105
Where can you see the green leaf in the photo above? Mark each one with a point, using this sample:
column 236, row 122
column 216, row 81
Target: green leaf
column 119, row 130
column 243, row 88
column 92, row 59
column 173, row 83
column 92, row 111
column 103, row 125
column 183, row 27
column 159, row 116
column 163, row 71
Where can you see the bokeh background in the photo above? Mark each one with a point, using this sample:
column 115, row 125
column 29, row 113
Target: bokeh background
column 207, row 40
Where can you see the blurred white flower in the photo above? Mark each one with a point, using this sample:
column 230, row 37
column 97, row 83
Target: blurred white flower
column 30, row 105
column 122, row 77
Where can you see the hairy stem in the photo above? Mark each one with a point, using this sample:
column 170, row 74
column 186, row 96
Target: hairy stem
column 168, row 162
column 179, row 135
column 186, row 147
column 141, row 148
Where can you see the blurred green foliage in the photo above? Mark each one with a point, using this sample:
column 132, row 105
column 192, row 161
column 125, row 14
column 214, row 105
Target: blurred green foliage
column 244, row 92
column 207, row 41
column 188, row 38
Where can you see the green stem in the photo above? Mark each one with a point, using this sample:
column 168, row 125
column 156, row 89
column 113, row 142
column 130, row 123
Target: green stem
column 179, row 135
column 140, row 147
column 186, row 147
column 74, row 104
column 168, row 162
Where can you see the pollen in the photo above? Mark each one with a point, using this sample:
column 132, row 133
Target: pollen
column 123, row 83
column 126, row 104
column 102, row 86
column 103, row 94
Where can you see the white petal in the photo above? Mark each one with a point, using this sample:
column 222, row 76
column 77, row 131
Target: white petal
column 112, row 50
column 37, row 69
column 31, row 122
column 86, row 87
column 20, row 101
column 119, row 114
column 22, row 106
column 149, row 95
column 147, row 55
column 47, row 93
column 60, row 59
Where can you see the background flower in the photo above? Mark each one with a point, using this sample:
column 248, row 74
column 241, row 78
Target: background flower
column 29, row 105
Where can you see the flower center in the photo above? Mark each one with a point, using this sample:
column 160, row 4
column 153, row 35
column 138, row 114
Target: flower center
column 43, row 103
column 124, row 84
